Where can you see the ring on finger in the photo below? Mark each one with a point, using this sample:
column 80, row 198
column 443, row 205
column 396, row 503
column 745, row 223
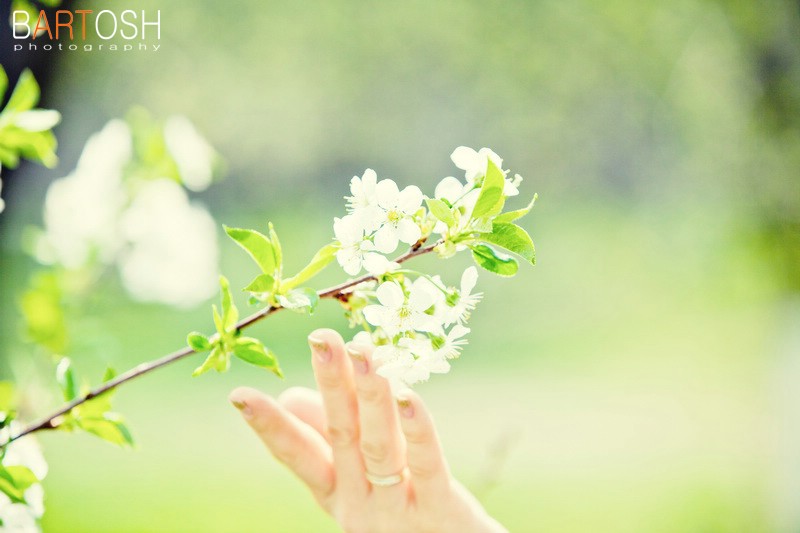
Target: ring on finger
column 385, row 481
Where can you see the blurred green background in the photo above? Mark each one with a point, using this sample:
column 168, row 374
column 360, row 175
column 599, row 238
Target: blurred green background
column 641, row 378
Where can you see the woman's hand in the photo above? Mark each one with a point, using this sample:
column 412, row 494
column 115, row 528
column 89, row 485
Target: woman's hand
column 372, row 461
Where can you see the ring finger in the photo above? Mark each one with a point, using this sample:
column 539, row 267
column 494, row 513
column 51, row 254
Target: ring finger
column 382, row 445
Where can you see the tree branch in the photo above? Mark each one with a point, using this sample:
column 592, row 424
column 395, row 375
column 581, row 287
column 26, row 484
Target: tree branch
column 53, row 420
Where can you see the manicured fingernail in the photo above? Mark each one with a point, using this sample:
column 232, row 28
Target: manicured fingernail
column 405, row 406
column 360, row 364
column 242, row 407
column 320, row 348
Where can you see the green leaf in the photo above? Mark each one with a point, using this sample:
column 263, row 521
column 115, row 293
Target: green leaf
column 230, row 314
column 109, row 374
column 108, row 427
column 217, row 360
column 321, row 259
column 276, row 249
column 261, row 283
column 254, row 352
column 489, row 259
column 96, row 407
column 25, row 95
column 511, row 216
column 6, row 396
column 15, row 480
column 490, row 199
column 300, row 300
column 66, row 379
column 3, row 82
column 513, row 238
column 257, row 245
column 198, row 342
column 441, row 211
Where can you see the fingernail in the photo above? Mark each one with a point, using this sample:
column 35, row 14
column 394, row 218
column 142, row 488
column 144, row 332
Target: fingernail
column 242, row 407
column 360, row 363
column 320, row 348
column 405, row 406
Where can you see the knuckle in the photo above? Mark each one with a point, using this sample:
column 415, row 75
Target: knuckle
column 371, row 394
column 342, row 436
column 417, row 437
column 330, row 380
column 424, row 471
column 376, row 451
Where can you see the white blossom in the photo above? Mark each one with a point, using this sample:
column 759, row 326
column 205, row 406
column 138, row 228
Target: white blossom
column 19, row 517
column 396, row 314
column 453, row 342
column 396, row 215
column 465, row 301
column 2, row 203
column 463, row 197
column 356, row 250
column 363, row 204
column 474, row 165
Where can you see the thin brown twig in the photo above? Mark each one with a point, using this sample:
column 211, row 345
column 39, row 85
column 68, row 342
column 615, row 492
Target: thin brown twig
column 53, row 420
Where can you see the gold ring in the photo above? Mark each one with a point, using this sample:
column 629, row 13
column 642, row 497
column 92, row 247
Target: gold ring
column 385, row 481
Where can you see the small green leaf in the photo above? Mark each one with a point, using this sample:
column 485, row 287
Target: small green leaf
column 300, row 300
column 230, row 314
column 108, row 427
column 254, row 352
column 96, row 407
column 3, row 82
column 511, row 216
column 321, row 259
column 217, row 360
column 276, row 248
column 441, row 211
column 261, row 283
column 513, row 238
column 489, row 259
column 109, row 374
column 257, row 245
column 66, row 379
column 15, row 480
column 6, row 396
column 198, row 342
column 490, row 200
column 25, row 95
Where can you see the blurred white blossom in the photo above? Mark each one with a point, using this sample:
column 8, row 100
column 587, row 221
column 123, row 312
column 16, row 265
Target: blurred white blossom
column 81, row 210
column 2, row 203
column 172, row 254
column 19, row 517
column 164, row 246
column 190, row 151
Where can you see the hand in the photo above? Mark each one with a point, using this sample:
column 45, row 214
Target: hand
column 331, row 439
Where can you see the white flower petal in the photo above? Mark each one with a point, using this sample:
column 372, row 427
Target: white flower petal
column 375, row 314
column 465, row 158
column 407, row 231
column 468, row 280
column 410, row 199
column 387, row 193
column 421, row 296
column 450, row 189
column 386, row 239
column 390, row 294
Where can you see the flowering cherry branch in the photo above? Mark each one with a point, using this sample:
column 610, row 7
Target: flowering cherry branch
column 415, row 322
column 53, row 420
